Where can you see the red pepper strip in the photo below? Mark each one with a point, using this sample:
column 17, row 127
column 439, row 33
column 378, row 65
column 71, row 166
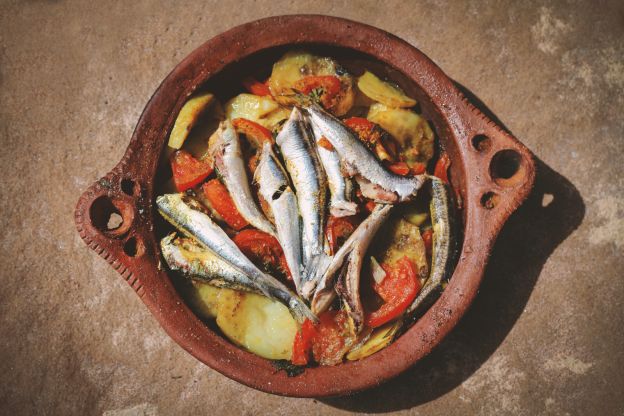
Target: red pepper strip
column 328, row 83
column 256, row 87
column 418, row 169
column 188, row 171
column 302, row 346
column 398, row 289
column 441, row 168
column 427, row 237
column 262, row 249
column 220, row 199
column 256, row 134
column 338, row 229
column 400, row 168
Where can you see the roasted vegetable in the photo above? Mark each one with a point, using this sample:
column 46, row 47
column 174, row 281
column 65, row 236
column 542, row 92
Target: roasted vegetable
column 188, row 116
column 188, row 171
column 219, row 200
column 378, row 340
column 261, row 325
column 401, row 239
column 338, row 229
column 255, row 133
column 441, row 167
column 383, row 92
column 412, row 132
column 287, row 80
column 333, row 338
column 302, row 347
column 256, row 87
column 262, row 110
column 204, row 299
column 262, row 249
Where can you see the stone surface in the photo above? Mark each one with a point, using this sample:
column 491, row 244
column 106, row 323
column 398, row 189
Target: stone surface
column 545, row 333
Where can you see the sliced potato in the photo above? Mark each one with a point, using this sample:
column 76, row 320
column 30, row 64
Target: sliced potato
column 402, row 238
column 411, row 130
column 261, row 325
column 263, row 110
column 188, row 116
column 204, row 299
column 379, row 339
column 295, row 65
column 383, row 92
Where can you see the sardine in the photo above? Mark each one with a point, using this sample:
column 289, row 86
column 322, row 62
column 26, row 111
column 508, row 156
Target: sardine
column 310, row 183
column 357, row 161
column 275, row 189
column 225, row 151
column 188, row 217
column 357, row 244
column 340, row 187
column 196, row 262
column 444, row 249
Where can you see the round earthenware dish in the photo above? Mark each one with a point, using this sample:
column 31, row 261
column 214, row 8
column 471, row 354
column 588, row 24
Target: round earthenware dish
column 491, row 173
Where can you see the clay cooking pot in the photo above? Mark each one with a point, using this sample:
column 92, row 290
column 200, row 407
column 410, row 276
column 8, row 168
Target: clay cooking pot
column 491, row 172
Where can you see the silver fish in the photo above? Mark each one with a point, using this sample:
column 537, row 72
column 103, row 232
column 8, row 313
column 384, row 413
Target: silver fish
column 194, row 261
column 444, row 245
column 275, row 189
column 189, row 218
column 340, row 187
column 225, row 151
column 310, row 185
column 355, row 247
column 358, row 161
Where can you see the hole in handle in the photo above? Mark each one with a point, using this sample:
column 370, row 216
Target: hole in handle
column 112, row 217
column 134, row 247
column 481, row 143
column 507, row 168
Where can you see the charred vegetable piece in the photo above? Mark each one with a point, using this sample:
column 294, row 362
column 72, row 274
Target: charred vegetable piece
column 262, row 110
column 398, row 290
column 378, row 340
column 410, row 130
column 323, row 88
column 338, row 230
column 221, row 201
column 256, row 323
column 262, row 249
column 188, row 171
column 383, row 92
column 256, row 134
column 443, row 244
column 333, row 338
column 302, row 347
column 188, row 116
column 373, row 136
column 441, row 167
column 401, row 239
column 256, row 87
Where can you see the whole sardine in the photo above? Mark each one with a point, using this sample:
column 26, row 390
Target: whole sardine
column 188, row 217
column 357, row 244
column 225, row 151
column 275, row 189
column 196, row 262
column 443, row 247
column 356, row 160
column 310, row 184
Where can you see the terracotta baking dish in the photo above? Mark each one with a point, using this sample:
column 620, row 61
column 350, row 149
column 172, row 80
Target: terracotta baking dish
column 491, row 172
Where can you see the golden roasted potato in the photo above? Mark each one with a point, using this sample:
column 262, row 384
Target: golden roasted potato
column 383, row 92
column 187, row 118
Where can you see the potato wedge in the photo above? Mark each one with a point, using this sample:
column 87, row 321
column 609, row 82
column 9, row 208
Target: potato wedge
column 259, row 324
column 379, row 339
column 383, row 92
column 263, row 110
column 203, row 299
column 411, row 130
column 188, row 116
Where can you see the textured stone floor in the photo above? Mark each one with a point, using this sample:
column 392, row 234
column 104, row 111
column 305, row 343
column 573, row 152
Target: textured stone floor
column 545, row 334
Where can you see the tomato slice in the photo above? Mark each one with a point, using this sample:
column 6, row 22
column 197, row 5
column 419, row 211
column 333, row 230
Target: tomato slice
column 441, row 168
column 374, row 137
column 256, row 134
column 256, row 87
column 262, row 249
column 188, row 171
column 400, row 168
column 418, row 169
column 338, row 229
column 330, row 341
column 220, row 199
column 398, row 290
column 328, row 84
column 302, row 346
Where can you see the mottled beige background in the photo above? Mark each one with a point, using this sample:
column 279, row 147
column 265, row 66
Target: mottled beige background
column 545, row 335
